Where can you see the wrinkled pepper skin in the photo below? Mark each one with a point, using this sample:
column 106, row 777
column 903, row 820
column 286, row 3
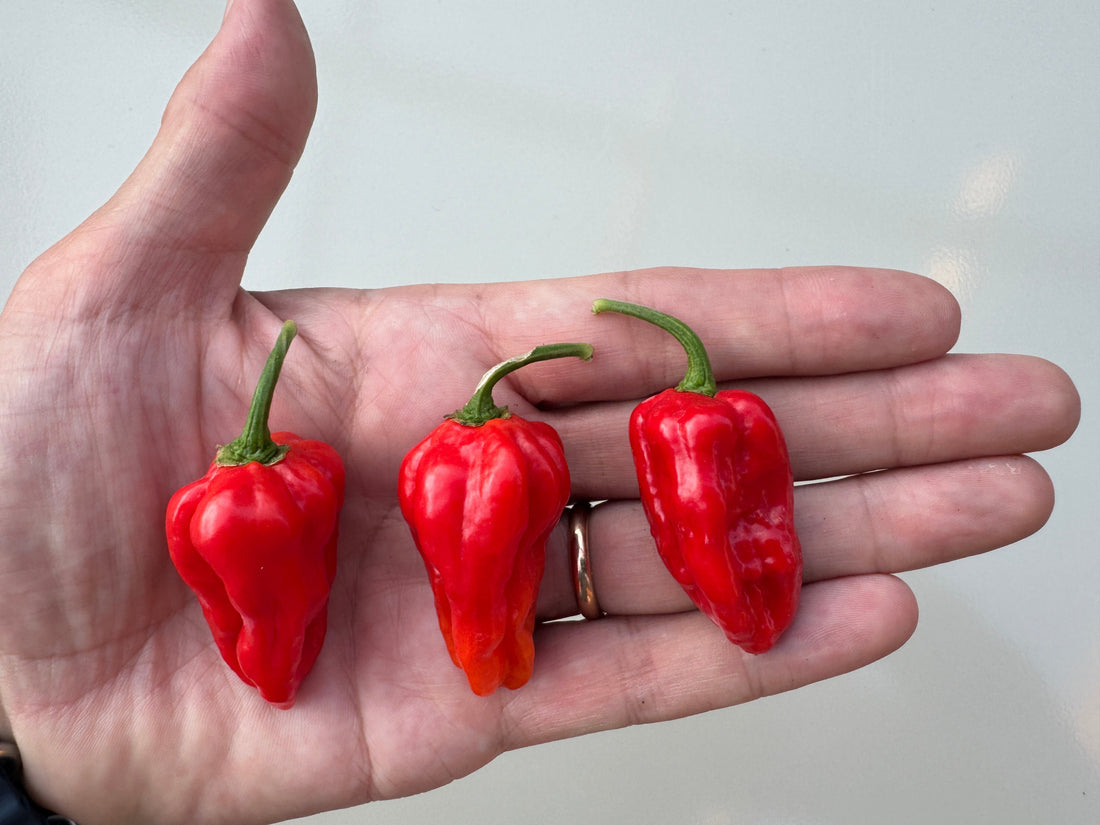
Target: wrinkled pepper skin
column 255, row 539
column 481, row 503
column 257, row 544
column 481, row 495
column 717, row 490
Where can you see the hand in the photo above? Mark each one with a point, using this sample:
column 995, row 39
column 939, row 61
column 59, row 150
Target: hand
column 129, row 353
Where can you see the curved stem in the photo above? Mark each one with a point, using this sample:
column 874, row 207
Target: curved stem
column 255, row 443
column 699, row 376
column 480, row 408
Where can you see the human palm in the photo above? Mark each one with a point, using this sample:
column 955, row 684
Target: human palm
column 130, row 352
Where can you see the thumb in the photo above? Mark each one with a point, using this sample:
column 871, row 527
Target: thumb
column 229, row 140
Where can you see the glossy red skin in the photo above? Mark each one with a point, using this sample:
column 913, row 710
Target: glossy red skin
column 481, row 503
column 257, row 544
column 717, row 488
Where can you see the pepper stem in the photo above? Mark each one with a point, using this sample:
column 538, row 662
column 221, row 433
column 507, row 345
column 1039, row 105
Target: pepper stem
column 480, row 408
column 699, row 376
column 255, row 442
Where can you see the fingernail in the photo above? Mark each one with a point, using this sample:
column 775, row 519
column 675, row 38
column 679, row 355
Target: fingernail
column 228, row 5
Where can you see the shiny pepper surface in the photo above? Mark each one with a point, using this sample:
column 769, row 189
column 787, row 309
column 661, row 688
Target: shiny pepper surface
column 255, row 538
column 481, row 495
column 718, row 492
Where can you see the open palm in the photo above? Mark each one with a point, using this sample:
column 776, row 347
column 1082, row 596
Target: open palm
column 129, row 352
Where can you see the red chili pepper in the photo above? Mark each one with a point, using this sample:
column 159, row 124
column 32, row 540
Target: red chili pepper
column 717, row 489
column 255, row 538
column 481, row 495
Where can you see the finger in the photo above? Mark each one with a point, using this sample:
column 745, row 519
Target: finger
column 957, row 407
column 944, row 410
column 753, row 322
column 229, row 140
column 907, row 519
column 886, row 522
column 622, row 671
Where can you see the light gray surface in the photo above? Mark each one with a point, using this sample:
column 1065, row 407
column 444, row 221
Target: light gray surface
column 491, row 141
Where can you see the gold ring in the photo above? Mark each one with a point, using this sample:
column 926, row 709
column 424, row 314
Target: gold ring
column 581, row 561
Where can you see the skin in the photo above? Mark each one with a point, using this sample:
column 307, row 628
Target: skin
column 133, row 330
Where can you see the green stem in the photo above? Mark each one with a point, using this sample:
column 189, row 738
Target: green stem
column 480, row 408
column 255, row 443
column 699, row 376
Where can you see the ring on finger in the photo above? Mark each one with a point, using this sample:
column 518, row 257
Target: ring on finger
column 580, row 559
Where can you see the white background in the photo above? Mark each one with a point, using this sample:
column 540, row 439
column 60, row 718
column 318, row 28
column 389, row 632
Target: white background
column 485, row 141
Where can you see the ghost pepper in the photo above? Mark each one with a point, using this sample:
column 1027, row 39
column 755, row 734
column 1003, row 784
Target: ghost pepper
column 718, row 492
column 481, row 494
column 255, row 539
